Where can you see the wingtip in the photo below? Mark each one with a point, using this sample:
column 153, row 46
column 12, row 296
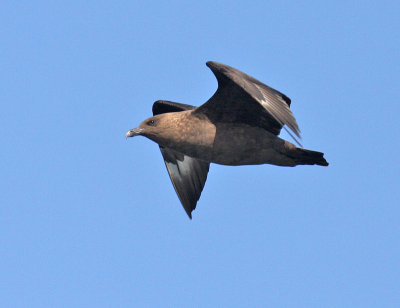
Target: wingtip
column 208, row 63
column 212, row 64
column 188, row 212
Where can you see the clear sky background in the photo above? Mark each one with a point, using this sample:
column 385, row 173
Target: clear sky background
column 89, row 219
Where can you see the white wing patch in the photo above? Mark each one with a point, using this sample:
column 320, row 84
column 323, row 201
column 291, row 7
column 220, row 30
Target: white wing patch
column 173, row 169
column 181, row 168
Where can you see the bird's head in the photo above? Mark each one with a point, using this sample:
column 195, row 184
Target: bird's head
column 146, row 127
column 156, row 128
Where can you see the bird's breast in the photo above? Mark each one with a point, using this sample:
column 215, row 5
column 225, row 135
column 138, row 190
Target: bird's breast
column 191, row 136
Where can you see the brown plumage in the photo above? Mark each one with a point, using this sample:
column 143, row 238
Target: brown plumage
column 238, row 125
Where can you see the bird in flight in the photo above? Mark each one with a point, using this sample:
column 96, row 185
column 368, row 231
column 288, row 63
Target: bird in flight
column 238, row 125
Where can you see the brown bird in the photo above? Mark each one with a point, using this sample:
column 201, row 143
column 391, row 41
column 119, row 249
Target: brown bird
column 238, row 125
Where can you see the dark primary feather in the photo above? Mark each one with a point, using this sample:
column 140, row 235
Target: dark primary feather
column 188, row 175
column 242, row 98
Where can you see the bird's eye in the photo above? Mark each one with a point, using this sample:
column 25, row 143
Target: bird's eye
column 150, row 122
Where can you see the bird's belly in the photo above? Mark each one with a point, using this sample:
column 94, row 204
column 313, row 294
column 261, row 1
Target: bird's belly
column 245, row 145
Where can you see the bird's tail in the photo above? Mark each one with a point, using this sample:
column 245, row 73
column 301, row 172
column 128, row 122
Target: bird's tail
column 308, row 157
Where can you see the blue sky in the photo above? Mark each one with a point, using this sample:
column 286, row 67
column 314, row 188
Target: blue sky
column 89, row 219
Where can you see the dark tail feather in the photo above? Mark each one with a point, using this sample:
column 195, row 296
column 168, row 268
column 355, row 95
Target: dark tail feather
column 308, row 157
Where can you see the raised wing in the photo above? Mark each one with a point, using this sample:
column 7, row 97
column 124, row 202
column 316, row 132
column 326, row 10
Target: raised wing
column 188, row 175
column 242, row 98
